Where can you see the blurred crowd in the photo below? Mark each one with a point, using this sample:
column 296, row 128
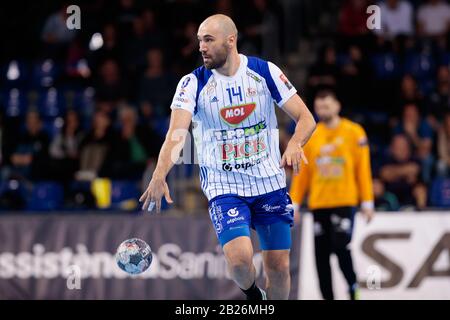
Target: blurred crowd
column 81, row 105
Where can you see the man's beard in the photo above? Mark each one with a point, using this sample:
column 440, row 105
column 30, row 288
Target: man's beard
column 219, row 61
column 325, row 119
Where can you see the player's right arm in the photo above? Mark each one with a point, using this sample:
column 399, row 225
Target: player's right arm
column 183, row 106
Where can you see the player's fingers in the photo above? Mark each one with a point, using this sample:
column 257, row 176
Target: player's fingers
column 167, row 194
column 283, row 161
column 146, row 203
column 289, row 160
column 295, row 165
column 143, row 196
column 304, row 159
column 158, row 205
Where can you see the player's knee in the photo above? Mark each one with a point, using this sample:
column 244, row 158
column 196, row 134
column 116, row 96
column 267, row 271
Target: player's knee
column 240, row 264
column 278, row 268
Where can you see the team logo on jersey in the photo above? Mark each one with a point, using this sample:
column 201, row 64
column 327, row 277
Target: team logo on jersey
column 185, row 82
column 234, row 115
column 251, row 92
column 286, row 81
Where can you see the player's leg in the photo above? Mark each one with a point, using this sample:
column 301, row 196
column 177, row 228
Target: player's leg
column 322, row 251
column 276, row 266
column 273, row 217
column 231, row 218
column 239, row 256
column 342, row 225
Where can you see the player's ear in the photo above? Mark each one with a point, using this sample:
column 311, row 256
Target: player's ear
column 231, row 40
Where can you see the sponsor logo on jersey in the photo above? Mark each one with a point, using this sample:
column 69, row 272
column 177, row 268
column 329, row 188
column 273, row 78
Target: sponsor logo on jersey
column 233, row 212
column 234, row 115
column 246, row 165
column 362, row 142
column 235, row 219
column 286, row 81
column 240, row 132
column 269, row 208
column 214, row 99
column 215, row 212
column 180, row 99
column 253, row 76
column 246, row 149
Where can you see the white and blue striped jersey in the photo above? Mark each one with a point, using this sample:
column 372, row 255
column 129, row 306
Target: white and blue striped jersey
column 235, row 127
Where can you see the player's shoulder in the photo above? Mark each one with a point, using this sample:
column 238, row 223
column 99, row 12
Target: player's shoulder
column 353, row 126
column 357, row 132
column 258, row 64
column 201, row 72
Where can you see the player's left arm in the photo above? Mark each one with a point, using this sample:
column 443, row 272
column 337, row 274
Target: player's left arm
column 286, row 97
column 363, row 173
column 305, row 125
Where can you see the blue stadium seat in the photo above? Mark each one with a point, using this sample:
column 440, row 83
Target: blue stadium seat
column 420, row 65
column 125, row 195
column 386, row 66
column 84, row 104
column 46, row 196
column 51, row 103
column 13, row 194
column 15, row 102
column 53, row 126
column 45, row 74
column 440, row 193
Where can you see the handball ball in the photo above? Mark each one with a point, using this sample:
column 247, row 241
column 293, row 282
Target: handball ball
column 134, row 256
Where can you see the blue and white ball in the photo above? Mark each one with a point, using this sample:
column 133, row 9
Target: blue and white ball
column 134, row 256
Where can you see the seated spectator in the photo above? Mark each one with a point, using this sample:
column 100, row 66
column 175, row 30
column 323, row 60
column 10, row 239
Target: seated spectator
column 401, row 174
column 55, row 34
column 324, row 72
column 420, row 135
column 443, row 165
column 156, row 86
column 354, row 78
column 433, row 18
column 152, row 29
column 64, row 148
column 384, row 200
column 131, row 149
column 396, row 19
column 29, row 159
column 439, row 99
column 409, row 94
column 94, row 147
column 186, row 53
column 110, row 88
column 111, row 48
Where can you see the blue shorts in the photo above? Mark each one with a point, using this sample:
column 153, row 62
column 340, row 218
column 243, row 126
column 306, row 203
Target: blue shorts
column 270, row 214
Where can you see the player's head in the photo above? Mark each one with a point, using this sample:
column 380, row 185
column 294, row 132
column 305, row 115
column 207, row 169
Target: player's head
column 217, row 37
column 326, row 105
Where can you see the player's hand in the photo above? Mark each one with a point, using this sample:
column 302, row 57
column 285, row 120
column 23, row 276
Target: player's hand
column 157, row 188
column 293, row 156
column 368, row 214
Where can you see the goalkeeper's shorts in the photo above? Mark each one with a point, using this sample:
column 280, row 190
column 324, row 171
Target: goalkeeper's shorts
column 270, row 214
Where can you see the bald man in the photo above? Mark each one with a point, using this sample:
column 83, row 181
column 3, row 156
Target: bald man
column 230, row 100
